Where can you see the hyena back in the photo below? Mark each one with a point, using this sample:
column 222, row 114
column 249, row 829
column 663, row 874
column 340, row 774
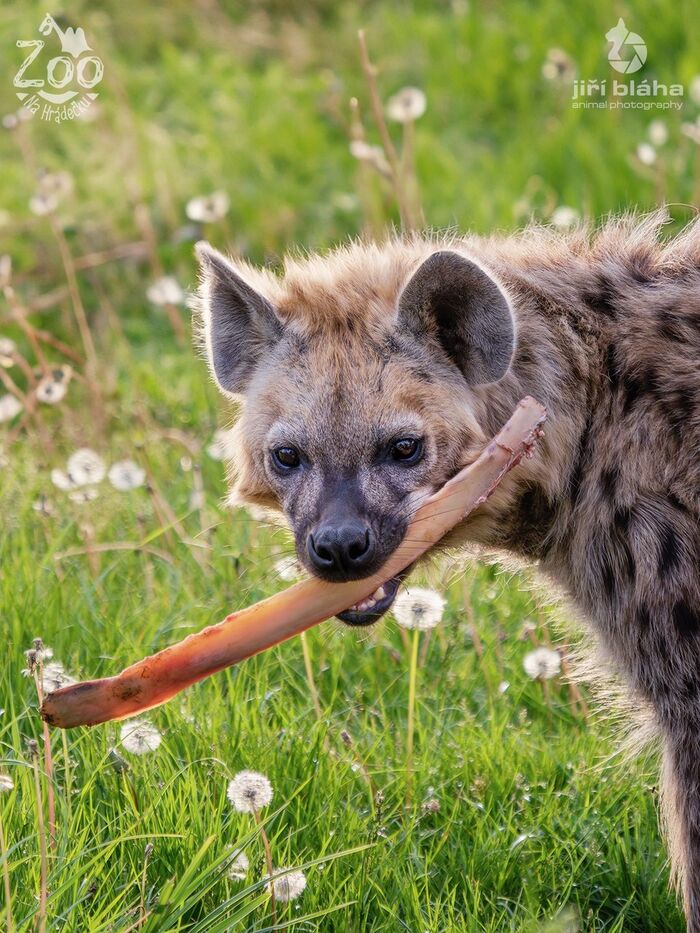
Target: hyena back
column 369, row 375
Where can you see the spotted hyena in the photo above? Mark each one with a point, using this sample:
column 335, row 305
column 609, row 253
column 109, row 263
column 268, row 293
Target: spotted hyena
column 368, row 376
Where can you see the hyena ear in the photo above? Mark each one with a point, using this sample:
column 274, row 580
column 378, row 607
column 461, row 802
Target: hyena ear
column 456, row 301
column 239, row 323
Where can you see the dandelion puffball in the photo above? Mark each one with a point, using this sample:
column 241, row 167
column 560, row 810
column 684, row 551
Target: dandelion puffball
column 237, row 865
column 86, row 467
column 9, row 407
column 6, row 783
column 407, row 105
column 249, row 791
column 418, row 608
column 54, row 677
column 542, row 663
column 165, row 291
column 208, row 208
column 125, row 475
column 287, row 886
column 139, row 736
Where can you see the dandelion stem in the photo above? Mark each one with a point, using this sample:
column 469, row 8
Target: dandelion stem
column 310, row 676
column 67, row 776
column 6, row 878
column 370, row 73
column 412, row 676
column 268, row 862
column 43, row 862
column 48, row 758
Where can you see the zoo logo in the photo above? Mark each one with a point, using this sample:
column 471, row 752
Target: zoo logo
column 621, row 39
column 73, row 75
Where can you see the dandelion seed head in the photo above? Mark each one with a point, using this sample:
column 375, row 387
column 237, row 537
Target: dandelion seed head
column 221, row 446
column 62, row 480
column 558, row 66
column 564, row 217
column 646, row 153
column 374, row 155
column 208, row 208
column 287, row 887
column 658, row 132
column 10, row 407
column 43, row 204
column 407, row 105
column 55, row 677
column 85, row 467
column 140, row 736
column 84, row 495
column 542, row 663
column 288, row 569
column 249, row 791
column 418, row 608
column 7, row 350
column 237, row 865
column 165, row 291
column 692, row 131
column 55, row 184
column 125, row 475
column 51, row 391
column 6, row 783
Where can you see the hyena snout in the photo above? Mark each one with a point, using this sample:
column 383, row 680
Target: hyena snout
column 342, row 547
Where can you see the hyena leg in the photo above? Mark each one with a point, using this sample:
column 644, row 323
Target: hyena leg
column 681, row 805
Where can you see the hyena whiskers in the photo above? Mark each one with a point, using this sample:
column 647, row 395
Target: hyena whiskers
column 370, row 375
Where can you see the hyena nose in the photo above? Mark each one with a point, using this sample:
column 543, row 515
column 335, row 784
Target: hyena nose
column 341, row 551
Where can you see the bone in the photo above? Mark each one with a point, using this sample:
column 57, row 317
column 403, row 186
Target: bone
column 156, row 679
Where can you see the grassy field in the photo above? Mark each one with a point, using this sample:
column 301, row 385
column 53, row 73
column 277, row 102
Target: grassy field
column 518, row 814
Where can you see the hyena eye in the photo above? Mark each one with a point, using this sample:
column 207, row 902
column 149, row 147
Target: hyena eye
column 286, row 457
column 407, row 449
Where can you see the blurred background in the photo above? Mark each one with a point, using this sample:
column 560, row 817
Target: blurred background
column 265, row 128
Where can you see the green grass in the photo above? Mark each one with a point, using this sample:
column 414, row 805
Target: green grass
column 540, row 821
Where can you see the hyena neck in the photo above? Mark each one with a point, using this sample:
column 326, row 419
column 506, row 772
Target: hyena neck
column 558, row 360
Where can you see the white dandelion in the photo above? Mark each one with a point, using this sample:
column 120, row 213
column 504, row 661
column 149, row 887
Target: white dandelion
column 558, row 66
column 418, row 608
column 43, row 204
column 55, row 677
column 646, row 153
column 55, row 184
column 658, row 132
column 221, row 446
column 249, row 791
column 692, row 131
column 374, row 155
column 51, row 391
column 6, row 783
column 564, row 217
column 125, row 475
column 237, row 865
column 10, row 407
column 62, row 480
column 86, row 467
column 208, row 208
column 542, row 663
column 694, row 89
column 8, row 348
column 165, row 291
column 407, row 105
column 287, row 884
column 140, row 736
column 288, row 569
column 84, row 495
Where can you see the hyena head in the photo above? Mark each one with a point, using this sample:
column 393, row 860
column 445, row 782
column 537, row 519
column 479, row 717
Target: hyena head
column 355, row 374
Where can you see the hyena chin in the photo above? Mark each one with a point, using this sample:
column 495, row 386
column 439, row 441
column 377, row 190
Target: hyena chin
column 367, row 376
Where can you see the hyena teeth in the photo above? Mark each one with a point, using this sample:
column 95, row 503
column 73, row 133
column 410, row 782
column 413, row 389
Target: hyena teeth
column 379, row 593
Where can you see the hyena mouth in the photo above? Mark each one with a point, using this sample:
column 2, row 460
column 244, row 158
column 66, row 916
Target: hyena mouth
column 372, row 608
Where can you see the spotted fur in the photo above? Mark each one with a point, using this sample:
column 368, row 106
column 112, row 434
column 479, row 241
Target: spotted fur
column 607, row 327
